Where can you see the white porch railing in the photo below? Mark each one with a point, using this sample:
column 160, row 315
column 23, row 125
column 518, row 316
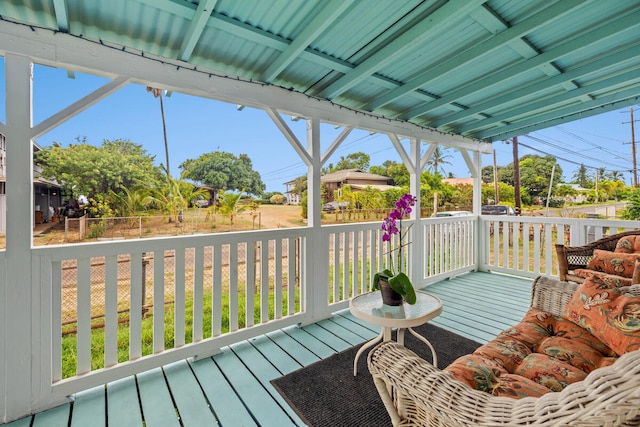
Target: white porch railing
column 525, row 245
column 111, row 309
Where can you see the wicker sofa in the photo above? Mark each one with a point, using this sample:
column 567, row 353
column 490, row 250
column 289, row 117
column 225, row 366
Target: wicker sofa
column 576, row 263
column 416, row 393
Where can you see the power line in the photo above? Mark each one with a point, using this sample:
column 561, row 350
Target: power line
column 574, row 153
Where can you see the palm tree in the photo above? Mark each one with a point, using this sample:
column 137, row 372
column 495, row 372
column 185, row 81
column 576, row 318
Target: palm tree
column 229, row 204
column 437, row 159
column 157, row 93
column 616, row 175
column 175, row 196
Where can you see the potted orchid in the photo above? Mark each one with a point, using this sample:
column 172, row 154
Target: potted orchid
column 390, row 281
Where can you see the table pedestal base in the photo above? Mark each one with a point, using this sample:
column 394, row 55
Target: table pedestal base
column 385, row 335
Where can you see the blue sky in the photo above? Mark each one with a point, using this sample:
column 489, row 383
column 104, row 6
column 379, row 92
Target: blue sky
column 196, row 126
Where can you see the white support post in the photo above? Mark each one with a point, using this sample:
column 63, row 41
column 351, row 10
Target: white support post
column 481, row 237
column 417, row 256
column 317, row 248
column 19, row 346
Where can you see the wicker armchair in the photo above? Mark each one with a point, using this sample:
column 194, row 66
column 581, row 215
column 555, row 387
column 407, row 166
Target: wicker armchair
column 417, row 394
column 573, row 257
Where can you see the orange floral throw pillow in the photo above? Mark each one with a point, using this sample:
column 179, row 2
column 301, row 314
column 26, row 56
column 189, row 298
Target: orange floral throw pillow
column 618, row 263
column 628, row 244
column 607, row 313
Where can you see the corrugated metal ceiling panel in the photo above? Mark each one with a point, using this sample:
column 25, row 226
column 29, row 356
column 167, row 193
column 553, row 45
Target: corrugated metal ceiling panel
column 363, row 57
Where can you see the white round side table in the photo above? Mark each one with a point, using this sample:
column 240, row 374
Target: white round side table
column 369, row 307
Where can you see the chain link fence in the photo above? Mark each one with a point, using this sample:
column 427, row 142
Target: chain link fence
column 98, row 277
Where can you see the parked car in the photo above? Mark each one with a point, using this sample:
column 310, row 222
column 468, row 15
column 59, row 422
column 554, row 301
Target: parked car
column 497, row 210
column 332, row 206
column 451, row 213
column 203, row 203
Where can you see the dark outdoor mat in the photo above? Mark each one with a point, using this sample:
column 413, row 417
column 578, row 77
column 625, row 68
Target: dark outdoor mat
column 326, row 394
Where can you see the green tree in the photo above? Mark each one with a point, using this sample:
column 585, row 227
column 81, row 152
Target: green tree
column 535, row 174
column 129, row 203
column 399, row 173
column 229, row 204
column 299, row 185
column 89, row 170
column 632, row 210
column 615, row 176
column 174, row 195
column 358, row 160
column 223, row 172
column 582, row 178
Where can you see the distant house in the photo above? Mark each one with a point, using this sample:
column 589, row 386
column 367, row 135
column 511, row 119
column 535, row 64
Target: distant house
column 45, row 192
column 293, row 198
column 356, row 179
column 581, row 196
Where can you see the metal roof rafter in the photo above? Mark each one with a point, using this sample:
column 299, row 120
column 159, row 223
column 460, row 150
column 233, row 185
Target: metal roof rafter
column 196, row 27
column 607, row 29
column 514, row 95
column 471, row 53
column 452, row 10
column 320, row 22
column 508, row 116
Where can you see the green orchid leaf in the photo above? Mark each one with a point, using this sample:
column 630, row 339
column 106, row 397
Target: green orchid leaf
column 402, row 285
column 384, row 275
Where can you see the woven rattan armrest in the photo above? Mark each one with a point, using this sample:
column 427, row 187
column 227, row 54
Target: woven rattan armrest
column 551, row 295
column 416, row 393
column 572, row 257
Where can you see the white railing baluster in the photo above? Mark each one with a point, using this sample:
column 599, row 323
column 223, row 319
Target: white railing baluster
column 83, row 341
column 216, row 290
column 111, row 311
column 292, row 262
column 159, row 267
column 179, row 296
column 135, row 308
column 277, row 279
column 198, row 292
column 264, row 280
column 56, row 320
column 250, row 282
column 233, row 286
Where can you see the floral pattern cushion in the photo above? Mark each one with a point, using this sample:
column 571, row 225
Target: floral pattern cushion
column 541, row 354
column 628, row 244
column 618, row 263
column 610, row 279
column 607, row 313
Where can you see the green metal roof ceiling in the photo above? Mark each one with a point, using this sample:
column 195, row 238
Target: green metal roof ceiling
column 486, row 69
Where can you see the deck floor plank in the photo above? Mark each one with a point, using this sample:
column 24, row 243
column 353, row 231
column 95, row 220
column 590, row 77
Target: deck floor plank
column 89, row 408
column 321, row 332
column 282, row 360
column 54, row 417
column 264, row 371
column 155, row 398
column 123, row 409
column 319, row 348
column 190, row 401
column 226, row 404
column 298, row 352
column 257, row 399
column 347, row 322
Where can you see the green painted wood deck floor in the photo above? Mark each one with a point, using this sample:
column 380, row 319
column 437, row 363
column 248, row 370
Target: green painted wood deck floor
column 232, row 388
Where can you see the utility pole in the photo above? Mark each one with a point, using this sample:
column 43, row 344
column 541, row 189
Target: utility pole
column 516, row 177
column 633, row 149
